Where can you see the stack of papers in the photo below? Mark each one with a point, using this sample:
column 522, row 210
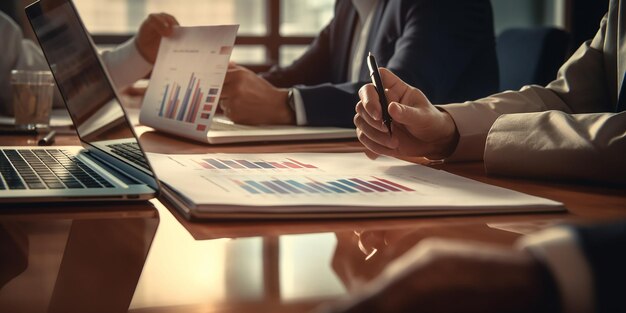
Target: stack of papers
column 326, row 185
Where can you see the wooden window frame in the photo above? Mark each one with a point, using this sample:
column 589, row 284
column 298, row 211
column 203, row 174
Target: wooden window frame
column 272, row 41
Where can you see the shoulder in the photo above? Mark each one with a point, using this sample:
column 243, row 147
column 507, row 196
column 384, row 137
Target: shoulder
column 8, row 25
column 11, row 32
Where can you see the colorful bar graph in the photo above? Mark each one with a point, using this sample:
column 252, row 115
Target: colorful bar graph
column 302, row 164
column 185, row 109
column 313, row 187
column 258, row 165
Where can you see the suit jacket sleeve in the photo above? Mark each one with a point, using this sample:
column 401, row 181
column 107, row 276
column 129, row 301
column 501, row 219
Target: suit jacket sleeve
column 605, row 250
column 568, row 131
column 586, row 263
column 420, row 41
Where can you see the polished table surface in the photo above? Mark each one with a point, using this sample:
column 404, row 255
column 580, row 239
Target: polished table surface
column 145, row 257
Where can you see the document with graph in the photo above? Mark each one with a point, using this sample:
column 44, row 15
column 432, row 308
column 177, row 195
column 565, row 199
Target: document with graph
column 187, row 79
column 326, row 184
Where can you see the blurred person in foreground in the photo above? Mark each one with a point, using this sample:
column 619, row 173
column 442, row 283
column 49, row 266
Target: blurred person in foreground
column 127, row 63
column 574, row 129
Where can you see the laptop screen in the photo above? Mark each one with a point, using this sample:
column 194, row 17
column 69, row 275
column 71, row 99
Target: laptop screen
column 86, row 89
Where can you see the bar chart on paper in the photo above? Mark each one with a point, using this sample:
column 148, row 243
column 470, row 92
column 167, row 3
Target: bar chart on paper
column 250, row 164
column 184, row 102
column 187, row 79
column 336, row 183
column 278, row 176
column 320, row 186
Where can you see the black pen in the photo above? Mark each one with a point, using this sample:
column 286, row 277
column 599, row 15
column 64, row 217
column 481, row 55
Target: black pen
column 48, row 139
column 380, row 89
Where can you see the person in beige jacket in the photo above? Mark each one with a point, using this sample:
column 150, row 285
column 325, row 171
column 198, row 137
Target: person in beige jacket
column 572, row 129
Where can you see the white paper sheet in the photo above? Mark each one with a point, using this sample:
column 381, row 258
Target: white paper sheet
column 187, row 80
column 326, row 181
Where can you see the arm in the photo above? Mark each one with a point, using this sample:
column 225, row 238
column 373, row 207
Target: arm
column 133, row 59
column 307, row 69
column 568, row 269
column 571, row 92
column 315, row 65
column 478, row 277
column 604, row 250
column 125, row 64
column 562, row 139
column 587, row 263
column 428, row 49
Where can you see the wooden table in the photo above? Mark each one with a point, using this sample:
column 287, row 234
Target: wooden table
column 94, row 257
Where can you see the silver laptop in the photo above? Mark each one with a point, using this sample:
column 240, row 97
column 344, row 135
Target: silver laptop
column 110, row 165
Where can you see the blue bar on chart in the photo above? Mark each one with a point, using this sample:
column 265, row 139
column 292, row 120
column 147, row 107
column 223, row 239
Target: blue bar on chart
column 246, row 187
column 185, row 109
column 275, row 187
column 217, row 164
column 312, row 187
column 222, row 164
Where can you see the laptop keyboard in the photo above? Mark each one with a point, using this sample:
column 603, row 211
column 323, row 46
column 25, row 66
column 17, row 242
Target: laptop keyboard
column 46, row 169
column 131, row 152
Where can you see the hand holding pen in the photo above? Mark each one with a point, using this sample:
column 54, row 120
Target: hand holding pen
column 420, row 129
column 380, row 89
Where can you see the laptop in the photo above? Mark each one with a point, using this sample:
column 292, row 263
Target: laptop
column 222, row 130
column 185, row 87
column 110, row 164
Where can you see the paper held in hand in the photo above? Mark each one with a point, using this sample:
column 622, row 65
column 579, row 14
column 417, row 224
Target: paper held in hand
column 185, row 88
column 187, row 80
column 326, row 185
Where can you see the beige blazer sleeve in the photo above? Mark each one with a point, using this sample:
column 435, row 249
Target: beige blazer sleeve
column 567, row 130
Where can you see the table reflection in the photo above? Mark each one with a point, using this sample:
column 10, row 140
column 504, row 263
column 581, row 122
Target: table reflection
column 59, row 263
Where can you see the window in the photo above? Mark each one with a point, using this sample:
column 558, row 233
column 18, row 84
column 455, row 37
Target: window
column 271, row 31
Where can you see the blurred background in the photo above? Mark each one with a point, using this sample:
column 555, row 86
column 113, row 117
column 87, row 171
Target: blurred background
column 278, row 31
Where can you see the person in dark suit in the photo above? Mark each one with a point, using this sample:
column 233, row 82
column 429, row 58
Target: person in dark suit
column 445, row 47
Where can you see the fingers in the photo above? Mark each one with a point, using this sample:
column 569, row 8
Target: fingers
column 407, row 115
column 162, row 23
column 371, row 154
column 378, row 142
column 377, row 124
column 394, row 86
column 371, row 102
column 237, row 74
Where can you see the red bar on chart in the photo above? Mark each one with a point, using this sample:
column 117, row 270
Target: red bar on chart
column 292, row 165
column 383, row 185
column 368, row 185
column 302, row 164
column 394, row 184
column 277, row 165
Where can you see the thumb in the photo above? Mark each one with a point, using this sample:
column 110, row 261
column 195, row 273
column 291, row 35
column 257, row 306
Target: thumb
column 404, row 114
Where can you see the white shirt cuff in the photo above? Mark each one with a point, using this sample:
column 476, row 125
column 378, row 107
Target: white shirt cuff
column 301, row 119
column 125, row 64
column 558, row 248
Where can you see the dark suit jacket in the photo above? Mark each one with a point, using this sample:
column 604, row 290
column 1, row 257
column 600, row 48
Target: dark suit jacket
column 446, row 48
column 605, row 249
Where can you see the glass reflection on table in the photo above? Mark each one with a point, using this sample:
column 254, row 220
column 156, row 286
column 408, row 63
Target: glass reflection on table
column 63, row 263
